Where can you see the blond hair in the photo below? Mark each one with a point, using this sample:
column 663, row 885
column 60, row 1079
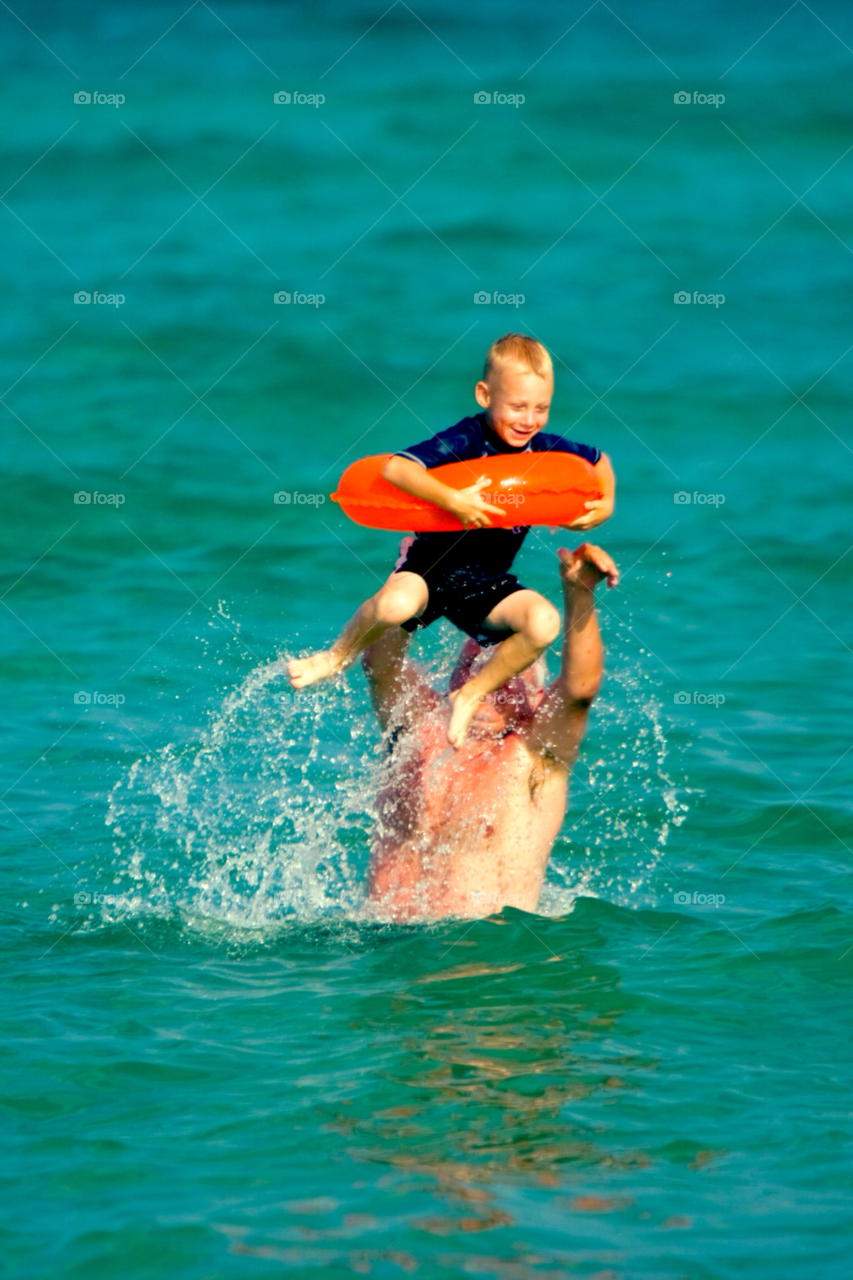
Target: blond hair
column 517, row 348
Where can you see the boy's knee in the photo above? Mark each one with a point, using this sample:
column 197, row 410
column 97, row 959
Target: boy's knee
column 543, row 624
column 396, row 602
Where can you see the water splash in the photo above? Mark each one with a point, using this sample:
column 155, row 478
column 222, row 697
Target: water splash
column 265, row 820
column 627, row 797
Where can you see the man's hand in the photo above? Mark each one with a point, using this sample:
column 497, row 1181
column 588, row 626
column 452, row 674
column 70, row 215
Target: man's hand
column 586, row 566
column 470, row 509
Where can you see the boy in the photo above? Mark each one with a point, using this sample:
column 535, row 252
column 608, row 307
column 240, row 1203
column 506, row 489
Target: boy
column 465, row 576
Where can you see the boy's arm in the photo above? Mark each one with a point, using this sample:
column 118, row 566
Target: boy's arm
column 599, row 509
column 466, row 504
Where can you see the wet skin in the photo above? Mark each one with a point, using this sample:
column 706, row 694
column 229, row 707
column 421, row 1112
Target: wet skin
column 465, row 831
column 469, row 830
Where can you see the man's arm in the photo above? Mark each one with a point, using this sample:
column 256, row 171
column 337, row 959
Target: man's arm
column 560, row 722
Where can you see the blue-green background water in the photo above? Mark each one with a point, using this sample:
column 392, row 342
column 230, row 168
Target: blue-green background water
column 212, row 1067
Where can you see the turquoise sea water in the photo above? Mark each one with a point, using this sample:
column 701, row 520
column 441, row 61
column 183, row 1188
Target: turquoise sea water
column 213, row 1066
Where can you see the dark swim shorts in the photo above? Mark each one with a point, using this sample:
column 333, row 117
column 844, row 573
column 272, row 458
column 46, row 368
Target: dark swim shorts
column 459, row 595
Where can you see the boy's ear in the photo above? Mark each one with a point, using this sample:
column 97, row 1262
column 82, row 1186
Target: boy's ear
column 481, row 394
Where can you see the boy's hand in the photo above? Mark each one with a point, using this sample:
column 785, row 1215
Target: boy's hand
column 597, row 511
column 470, row 509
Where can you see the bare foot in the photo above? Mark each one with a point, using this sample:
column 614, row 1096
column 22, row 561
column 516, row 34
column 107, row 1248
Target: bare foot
column 464, row 705
column 587, row 565
column 319, row 666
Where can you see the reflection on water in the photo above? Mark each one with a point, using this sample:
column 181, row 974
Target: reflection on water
column 477, row 1068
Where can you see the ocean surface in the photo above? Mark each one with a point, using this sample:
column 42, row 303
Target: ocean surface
column 213, row 1064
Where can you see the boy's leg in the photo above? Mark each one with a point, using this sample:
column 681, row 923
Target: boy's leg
column 536, row 624
column 403, row 596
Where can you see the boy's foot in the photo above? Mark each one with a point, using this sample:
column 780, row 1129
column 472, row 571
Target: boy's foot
column 463, row 708
column 319, row 666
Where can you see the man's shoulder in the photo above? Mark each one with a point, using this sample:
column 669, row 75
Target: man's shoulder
column 524, row 743
column 538, row 771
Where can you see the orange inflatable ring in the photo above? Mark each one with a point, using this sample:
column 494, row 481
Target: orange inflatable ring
column 530, row 488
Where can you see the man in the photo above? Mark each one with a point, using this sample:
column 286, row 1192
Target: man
column 468, row 831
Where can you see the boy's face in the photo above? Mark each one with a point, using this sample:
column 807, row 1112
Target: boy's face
column 518, row 402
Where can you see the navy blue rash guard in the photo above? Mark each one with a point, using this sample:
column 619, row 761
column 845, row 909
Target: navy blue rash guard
column 481, row 553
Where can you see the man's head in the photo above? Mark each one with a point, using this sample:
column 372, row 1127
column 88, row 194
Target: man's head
column 516, row 388
column 513, row 703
